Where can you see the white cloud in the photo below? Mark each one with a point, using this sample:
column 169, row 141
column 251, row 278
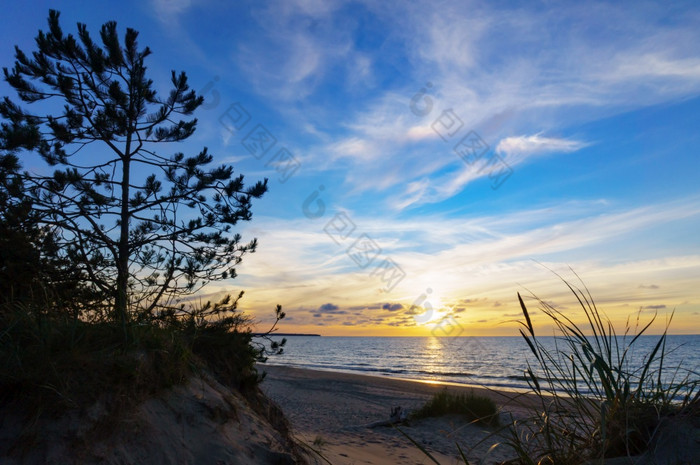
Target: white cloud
column 419, row 133
column 514, row 150
column 355, row 148
column 289, row 71
column 168, row 10
column 295, row 45
column 452, row 41
column 437, row 188
column 360, row 70
column 518, row 148
column 655, row 65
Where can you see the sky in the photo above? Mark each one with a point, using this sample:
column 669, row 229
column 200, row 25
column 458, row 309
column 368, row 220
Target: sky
column 428, row 160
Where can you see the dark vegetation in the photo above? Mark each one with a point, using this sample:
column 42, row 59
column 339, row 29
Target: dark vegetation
column 472, row 407
column 100, row 251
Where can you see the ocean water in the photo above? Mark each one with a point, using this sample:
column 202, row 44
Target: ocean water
column 490, row 361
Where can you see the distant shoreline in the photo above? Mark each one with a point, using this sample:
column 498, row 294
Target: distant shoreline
column 288, row 334
column 504, row 388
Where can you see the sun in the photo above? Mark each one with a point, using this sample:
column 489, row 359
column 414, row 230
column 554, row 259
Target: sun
column 429, row 309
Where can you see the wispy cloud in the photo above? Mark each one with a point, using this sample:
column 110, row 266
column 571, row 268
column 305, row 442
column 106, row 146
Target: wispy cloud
column 302, row 41
column 437, row 187
column 503, row 77
column 519, row 148
column 168, row 10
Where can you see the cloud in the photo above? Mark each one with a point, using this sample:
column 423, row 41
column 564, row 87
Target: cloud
column 504, row 79
column 354, row 148
column 655, row 66
column 648, row 286
column 415, row 310
column 436, row 186
column 517, row 149
column 554, row 305
column 494, row 250
column 392, row 307
column 655, row 307
column 295, row 46
column 420, row 133
column 429, row 190
column 329, row 308
column 167, row 10
column 366, row 307
column 328, row 312
column 405, row 321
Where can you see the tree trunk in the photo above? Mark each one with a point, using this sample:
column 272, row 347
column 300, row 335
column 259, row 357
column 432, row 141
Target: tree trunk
column 122, row 297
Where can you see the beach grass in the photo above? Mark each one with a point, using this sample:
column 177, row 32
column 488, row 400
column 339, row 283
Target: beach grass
column 593, row 402
column 479, row 409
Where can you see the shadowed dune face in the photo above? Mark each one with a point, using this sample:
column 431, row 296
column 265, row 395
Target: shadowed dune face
column 199, row 422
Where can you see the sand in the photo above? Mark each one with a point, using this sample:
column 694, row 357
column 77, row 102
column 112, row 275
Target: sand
column 199, row 422
column 330, row 412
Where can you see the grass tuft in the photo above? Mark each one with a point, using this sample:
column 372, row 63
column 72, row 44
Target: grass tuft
column 475, row 408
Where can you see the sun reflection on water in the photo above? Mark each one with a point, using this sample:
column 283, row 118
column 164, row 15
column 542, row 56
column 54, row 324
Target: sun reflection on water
column 431, row 358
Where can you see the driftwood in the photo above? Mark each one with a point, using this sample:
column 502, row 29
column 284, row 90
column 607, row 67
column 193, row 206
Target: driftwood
column 398, row 415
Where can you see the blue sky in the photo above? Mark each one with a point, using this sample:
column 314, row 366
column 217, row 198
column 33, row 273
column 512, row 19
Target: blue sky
column 577, row 126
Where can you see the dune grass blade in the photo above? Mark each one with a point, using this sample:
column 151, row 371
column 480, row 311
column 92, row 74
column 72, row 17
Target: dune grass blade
column 527, row 316
column 461, row 454
column 313, row 449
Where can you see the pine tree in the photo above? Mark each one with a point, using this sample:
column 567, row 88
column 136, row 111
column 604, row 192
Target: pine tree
column 144, row 227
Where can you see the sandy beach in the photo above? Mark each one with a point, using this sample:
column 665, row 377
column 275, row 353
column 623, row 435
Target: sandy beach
column 331, row 412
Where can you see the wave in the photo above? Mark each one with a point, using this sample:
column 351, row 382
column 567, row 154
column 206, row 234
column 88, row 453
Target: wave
column 445, row 373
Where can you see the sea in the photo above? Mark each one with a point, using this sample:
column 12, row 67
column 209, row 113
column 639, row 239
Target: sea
column 498, row 362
